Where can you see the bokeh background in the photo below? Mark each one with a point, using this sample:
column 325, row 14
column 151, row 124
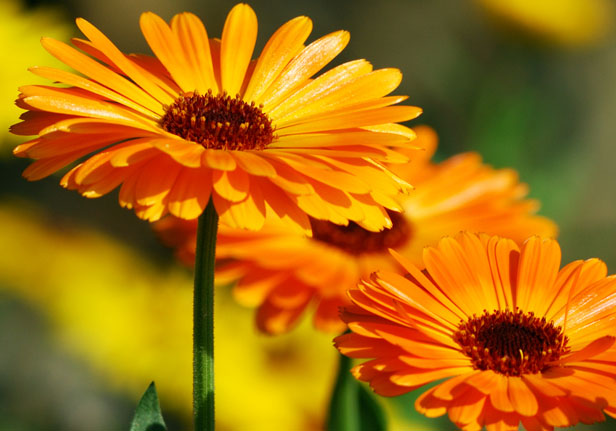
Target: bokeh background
column 93, row 307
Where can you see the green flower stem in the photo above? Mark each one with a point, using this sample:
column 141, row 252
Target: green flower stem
column 203, row 320
column 343, row 412
column 352, row 406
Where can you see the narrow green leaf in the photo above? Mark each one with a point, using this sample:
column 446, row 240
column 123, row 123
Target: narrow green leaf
column 147, row 415
column 352, row 406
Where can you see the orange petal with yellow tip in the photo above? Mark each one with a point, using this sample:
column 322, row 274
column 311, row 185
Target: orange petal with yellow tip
column 106, row 183
column 499, row 396
column 166, row 46
column 427, row 405
column 231, row 185
column 99, row 73
column 284, row 44
column 73, row 105
column 238, row 40
column 254, row 164
column 132, row 152
column 79, row 82
column 308, row 62
column 341, row 138
column 218, row 159
column 101, row 42
column 421, row 378
column 404, row 289
column 156, row 179
column 368, row 87
column 539, row 263
column 35, row 121
column 521, row 396
column 190, row 193
column 45, row 167
column 319, row 87
column 466, row 410
column 595, row 348
column 193, row 39
column 186, row 153
column 249, row 213
column 363, row 118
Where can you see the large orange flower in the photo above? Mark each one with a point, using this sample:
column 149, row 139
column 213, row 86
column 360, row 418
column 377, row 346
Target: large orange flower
column 201, row 119
column 284, row 273
column 517, row 339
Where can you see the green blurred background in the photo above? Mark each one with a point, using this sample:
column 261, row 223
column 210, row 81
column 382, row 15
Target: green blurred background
column 91, row 304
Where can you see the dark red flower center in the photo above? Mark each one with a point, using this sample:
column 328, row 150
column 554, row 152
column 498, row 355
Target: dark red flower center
column 356, row 240
column 511, row 342
column 218, row 122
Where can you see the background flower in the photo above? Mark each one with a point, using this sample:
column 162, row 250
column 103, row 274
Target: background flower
column 284, row 273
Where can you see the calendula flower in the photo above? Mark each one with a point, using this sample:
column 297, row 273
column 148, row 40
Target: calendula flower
column 17, row 27
column 562, row 22
column 517, row 339
column 202, row 119
column 283, row 273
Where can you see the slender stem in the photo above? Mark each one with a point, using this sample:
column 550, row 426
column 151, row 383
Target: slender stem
column 203, row 320
column 343, row 412
column 352, row 406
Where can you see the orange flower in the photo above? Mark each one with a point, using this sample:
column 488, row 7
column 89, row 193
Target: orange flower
column 201, row 119
column 284, row 273
column 517, row 339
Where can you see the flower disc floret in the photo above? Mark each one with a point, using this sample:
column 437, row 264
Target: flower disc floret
column 511, row 342
column 356, row 240
column 218, row 122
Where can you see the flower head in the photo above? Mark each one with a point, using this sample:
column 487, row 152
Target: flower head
column 284, row 273
column 516, row 338
column 201, row 119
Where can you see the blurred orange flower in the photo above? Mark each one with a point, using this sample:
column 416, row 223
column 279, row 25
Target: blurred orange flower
column 201, row 119
column 516, row 339
column 284, row 273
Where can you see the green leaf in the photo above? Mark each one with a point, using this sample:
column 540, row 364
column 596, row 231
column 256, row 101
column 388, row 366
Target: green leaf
column 147, row 415
column 353, row 407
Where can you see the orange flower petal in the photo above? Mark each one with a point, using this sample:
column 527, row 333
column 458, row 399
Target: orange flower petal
column 284, row 44
column 99, row 73
column 319, row 87
column 238, row 40
column 166, row 46
column 522, row 397
column 231, row 185
column 193, row 40
column 539, row 263
column 190, row 193
column 308, row 62
column 101, row 42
